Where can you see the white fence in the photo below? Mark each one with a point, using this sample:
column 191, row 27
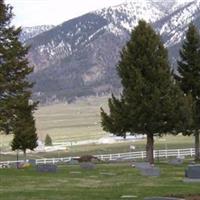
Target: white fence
column 119, row 156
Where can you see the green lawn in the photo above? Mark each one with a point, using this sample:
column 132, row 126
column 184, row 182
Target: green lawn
column 27, row 184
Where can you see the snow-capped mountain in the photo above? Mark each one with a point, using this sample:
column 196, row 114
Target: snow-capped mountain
column 30, row 32
column 78, row 57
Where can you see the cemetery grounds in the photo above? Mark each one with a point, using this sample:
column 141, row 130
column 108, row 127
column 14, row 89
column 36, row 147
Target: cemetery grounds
column 106, row 181
column 68, row 123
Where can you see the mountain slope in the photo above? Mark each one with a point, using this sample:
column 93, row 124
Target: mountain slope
column 78, row 57
column 30, row 32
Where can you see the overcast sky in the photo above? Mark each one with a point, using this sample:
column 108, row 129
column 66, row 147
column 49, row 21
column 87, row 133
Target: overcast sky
column 39, row 12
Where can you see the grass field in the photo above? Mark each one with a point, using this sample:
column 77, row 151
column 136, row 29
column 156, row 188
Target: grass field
column 81, row 121
column 68, row 122
column 167, row 142
column 71, row 122
column 27, row 184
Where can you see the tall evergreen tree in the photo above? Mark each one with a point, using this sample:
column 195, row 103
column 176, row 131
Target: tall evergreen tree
column 150, row 103
column 16, row 115
column 14, row 69
column 189, row 77
column 24, row 130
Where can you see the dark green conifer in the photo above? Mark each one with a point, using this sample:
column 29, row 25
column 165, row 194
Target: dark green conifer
column 24, row 130
column 48, row 140
column 151, row 103
column 14, row 69
column 189, row 77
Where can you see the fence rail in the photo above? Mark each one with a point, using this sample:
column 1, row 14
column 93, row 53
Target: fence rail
column 118, row 156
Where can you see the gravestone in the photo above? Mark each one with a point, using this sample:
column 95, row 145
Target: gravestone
column 193, row 172
column 142, row 165
column 32, row 162
column 107, row 173
column 51, row 168
column 152, row 171
column 14, row 165
column 128, row 197
column 75, row 172
column 73, row 162
column 87, row 165
column 176, row 161
column 162, row 198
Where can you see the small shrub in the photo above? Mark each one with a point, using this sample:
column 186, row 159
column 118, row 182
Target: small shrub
column 48, row 140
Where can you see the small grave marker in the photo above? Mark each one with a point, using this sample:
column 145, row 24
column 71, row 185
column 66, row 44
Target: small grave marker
column 75, row 172
column 176, row 161
column 73, row 162
column 153, row 171
column 128, row 196
column 193, row 172
column 51, row 168
column 107, row 173
column 162, row 198
column 87, row 165
column 142, row 165
column 32, row 162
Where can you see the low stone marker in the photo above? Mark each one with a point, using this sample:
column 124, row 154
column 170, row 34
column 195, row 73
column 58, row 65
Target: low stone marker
column 152, row 171
column 107, row 173
column 75, row 172
column 162, row 198
column 142, row 165
column 128, row 196
column 176, row 161
column 14, row 165
column 193, row 172
column 87, row 165
column 51, row 168
column 73, row 162
column 32, row 162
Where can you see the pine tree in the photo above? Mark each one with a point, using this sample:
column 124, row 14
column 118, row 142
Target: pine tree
column 150, row 103
column 24, row 130
column 15, row 89
column 189, row 77
column 48, row 140
column 14, row 69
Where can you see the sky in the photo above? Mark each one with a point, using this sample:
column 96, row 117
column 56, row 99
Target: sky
column 40, row 12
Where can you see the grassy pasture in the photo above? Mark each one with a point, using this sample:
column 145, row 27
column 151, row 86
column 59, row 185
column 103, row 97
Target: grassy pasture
column 81, row 121
column 71, row 122
column 26, row 184
column 167, row 142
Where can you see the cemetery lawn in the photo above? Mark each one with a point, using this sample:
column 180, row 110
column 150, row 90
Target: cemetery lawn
column 67, row 184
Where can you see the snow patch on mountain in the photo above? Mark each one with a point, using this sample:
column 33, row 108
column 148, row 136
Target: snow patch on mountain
column 30, row 32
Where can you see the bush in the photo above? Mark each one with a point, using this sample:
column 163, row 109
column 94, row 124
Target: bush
column 48, row 140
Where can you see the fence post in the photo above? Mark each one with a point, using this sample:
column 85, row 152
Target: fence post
column 178, row 153
column 191, row 152
column 142, row 155
column 166, row 155
column 110, row 156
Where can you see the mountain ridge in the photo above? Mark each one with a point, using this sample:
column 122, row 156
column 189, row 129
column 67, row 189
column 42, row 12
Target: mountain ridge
column 78, row 57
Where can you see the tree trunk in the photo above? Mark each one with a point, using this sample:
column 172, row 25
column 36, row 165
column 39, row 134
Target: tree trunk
column 25, row 155
column 124, row 136
column 197, row 153
column 149, row 148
